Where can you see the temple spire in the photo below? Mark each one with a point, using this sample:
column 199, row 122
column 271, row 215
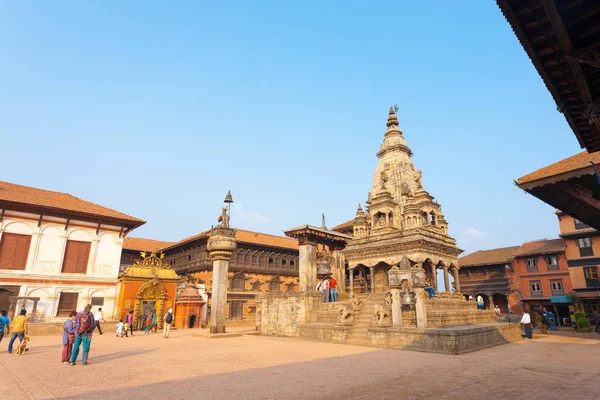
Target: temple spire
column 392, row 120
column 360, row 212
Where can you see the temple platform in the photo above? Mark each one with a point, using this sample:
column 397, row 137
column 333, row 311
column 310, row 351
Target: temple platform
column 454, row 325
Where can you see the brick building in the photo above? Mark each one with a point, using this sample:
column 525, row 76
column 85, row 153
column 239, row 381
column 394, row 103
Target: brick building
column 487, row 274
column 582, row 250
column 542, row 277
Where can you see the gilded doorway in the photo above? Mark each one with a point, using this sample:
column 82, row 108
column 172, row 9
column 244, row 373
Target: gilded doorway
column 151, row 296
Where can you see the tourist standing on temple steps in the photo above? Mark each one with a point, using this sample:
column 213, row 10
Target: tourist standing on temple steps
column 84, row 326
column 333, row 290
column 99, row 317
column 526, row 321
column 168, row 319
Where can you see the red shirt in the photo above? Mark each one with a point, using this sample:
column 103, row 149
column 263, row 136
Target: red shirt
column 332, row 283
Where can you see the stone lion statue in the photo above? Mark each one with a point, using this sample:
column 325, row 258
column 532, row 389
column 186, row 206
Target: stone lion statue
column 357, row 303
column 346, row 316
column 381, row 316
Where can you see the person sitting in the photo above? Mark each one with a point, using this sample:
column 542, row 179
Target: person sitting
column 428, row 288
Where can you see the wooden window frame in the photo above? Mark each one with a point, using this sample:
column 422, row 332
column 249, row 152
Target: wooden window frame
column 552, row 267
column 77, row 256
column 536, row 293
column 11, row 258
column 585, row 251
column 65, row 313
column 532, row 267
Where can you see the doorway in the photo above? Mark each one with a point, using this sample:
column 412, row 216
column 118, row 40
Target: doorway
column 66, row 304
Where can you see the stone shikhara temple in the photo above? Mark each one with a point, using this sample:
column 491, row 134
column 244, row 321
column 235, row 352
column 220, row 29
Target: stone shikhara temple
column 388, row 255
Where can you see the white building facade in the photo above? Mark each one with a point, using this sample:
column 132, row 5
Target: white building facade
column 58, row 254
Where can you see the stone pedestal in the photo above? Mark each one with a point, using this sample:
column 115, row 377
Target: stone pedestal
column 420, row 307
column 221, row 244
column 396, row 308
column 308, row 268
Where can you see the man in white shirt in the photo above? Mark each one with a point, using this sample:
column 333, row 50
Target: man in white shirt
column 99, row 317
column 497, row 310
column 169, row 318
column 526, row 321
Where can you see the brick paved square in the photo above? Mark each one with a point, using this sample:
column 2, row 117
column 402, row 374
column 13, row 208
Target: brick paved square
column 256, row 367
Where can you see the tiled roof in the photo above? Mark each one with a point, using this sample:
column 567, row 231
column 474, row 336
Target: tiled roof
column 343, row 227
column 58, row 202
column 251, row 237
column 140, row 244
column 488, row 257
column 573, row 163
column 540, row 247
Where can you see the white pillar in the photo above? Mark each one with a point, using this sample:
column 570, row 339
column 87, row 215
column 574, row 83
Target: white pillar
column 396, row 308
column 219, row 296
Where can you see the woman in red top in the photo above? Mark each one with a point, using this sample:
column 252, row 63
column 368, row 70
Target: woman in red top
column 333, row 290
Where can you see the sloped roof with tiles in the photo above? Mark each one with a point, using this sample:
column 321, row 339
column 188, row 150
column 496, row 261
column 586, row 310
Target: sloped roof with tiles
column 243, row 236
column 540, row 247
column 580, row 161
column 488, row 257
column 140, row 244
column 21, row 197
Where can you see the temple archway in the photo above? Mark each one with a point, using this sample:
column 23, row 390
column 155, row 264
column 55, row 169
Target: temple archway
column 151, row 296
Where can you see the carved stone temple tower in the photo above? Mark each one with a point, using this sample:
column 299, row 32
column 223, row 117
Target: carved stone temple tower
column 401, row 220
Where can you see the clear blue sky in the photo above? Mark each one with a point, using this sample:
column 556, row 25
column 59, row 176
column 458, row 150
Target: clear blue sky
column 157, row 108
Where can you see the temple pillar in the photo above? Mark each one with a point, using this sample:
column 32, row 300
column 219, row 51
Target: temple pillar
column 456, row 280
column 351, row 272
column 491, row 301
column 396, row 308
column 337, row 269
column 420, row 307
column 372, row 273
column 221, row 244
column 446, row 278
column 434, row 280
column 308, row 267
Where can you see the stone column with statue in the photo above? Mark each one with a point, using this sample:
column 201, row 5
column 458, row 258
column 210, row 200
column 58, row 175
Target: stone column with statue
column 221, row 245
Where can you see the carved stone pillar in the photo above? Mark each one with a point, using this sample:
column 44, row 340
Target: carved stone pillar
column 308, row 267
column 456, row 279
column 221, row 244
column 372, row 273
column 446, row 278
column 395, row 279
column 351, row 272
column 491, row 301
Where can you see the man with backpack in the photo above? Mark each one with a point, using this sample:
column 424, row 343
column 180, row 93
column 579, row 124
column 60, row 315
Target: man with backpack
column 169, row 318
column 84, row 326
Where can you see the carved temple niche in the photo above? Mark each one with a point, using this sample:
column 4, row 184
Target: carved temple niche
column 380, row 278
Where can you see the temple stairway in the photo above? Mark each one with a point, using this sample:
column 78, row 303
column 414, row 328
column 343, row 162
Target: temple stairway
column 363, row 318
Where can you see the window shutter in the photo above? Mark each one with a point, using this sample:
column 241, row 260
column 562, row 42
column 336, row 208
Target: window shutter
column 14, row 250
column 76, row 257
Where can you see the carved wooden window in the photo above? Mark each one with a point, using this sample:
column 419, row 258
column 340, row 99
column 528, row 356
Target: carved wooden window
column 76, row 258
column 67, row 303
column 532, row 264
column 290, row 287
column 283, row 262
column 238, row 283
column 270, row 261
column 14, row 250
column 552, row 262
column 557, row 287
column 256, row 286
column 585, row 247
column 536, row 288
column 274, row 285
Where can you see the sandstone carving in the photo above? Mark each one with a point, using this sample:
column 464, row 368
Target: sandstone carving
column 346, row 315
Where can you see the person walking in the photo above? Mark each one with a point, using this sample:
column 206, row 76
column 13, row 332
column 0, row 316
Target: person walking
column 526, row 322
column 68, row 338
column 152, row 324
column 120, row 328
column 19, row 329
column 130, row 321
column 99, row 317
column 4, row 324
column 168, row 321
column 333, row 290
column 84, row 326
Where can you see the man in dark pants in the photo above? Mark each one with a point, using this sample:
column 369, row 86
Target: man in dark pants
column 526, row 321
column 130, row 321
column 98, row 317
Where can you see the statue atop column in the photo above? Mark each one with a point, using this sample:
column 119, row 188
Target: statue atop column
column 224, row 218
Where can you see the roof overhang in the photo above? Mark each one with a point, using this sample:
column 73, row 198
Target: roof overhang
column 562, row 39
column 314, row 235
column 576, row 193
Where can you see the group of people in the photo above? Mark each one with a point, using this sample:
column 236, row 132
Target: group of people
column 78, row 330
column 328, row 289
column 543, row 320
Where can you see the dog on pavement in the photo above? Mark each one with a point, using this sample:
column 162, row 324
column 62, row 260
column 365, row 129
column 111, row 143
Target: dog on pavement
column 22, row 346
